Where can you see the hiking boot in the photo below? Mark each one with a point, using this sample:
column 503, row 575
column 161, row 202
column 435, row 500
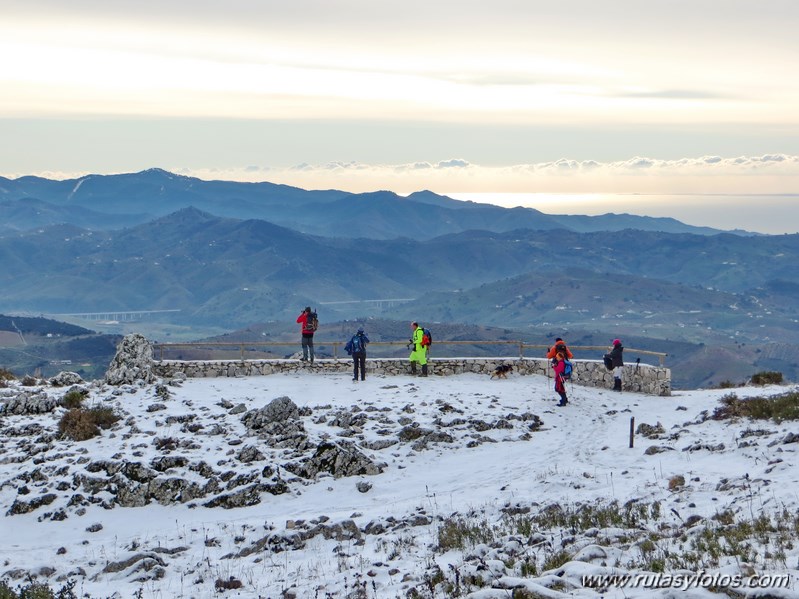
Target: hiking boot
column 561, row 403
column 413, row 367
column 617, row 384
column 354, row 380
column 424, row 370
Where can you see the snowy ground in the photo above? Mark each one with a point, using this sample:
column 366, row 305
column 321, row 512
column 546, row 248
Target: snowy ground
column 478, row 458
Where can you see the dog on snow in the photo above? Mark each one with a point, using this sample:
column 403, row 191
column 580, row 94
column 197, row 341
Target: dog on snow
column 501, row 371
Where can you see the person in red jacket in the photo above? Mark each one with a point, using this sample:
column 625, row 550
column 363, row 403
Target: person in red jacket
column 307, row 334
column 560, row 383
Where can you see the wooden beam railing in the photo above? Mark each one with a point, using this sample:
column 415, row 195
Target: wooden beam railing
column 244, row 346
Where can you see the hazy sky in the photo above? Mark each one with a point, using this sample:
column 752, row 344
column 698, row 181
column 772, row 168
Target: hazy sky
column 515, row 96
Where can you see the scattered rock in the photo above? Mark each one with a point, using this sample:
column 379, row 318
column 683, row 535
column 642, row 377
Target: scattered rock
column 25, row 507
column 281, row 409
column 30, row 402
column 654, row 449
column 339, row 459
column 649, row 431
column 64, row 379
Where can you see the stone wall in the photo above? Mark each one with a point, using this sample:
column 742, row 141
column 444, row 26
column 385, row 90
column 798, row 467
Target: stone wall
column 652, row 380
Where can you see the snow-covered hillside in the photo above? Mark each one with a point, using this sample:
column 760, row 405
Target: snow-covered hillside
column 392, row 487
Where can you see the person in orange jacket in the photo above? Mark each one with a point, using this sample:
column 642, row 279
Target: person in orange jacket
column 560, row 346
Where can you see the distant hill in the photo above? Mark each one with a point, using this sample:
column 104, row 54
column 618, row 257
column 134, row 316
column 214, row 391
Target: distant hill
column 102, row 202
column 237, row 271
column 30, row 213
column 27, row 325
column 31, row 345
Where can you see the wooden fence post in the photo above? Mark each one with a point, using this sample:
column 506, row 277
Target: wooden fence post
column 632, row 430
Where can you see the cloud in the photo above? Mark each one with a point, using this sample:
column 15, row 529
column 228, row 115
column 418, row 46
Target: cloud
column 762, row 174
column 453, row 163
column 674, row 94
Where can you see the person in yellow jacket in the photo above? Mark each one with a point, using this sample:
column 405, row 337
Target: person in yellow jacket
column 419, row 353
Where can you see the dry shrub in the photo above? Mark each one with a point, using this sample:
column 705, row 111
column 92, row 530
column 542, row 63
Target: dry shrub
column 80, row 424
column 777, row 408
column 767, row 378
column 6, row 375
column 104, row 417
column 676, row 482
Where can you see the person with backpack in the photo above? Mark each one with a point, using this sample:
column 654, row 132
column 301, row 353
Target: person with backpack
column 356, row 347
column 561, row 366
column 310, row 323
column 617, row 361
column 560, row 346
column 419, row 349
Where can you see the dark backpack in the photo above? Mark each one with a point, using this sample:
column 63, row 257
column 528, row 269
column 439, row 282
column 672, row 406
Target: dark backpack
column 608, row 361
column 355, row 345
column 313, row 321
column 427, row 338
column 561, row 347
column 567, row 370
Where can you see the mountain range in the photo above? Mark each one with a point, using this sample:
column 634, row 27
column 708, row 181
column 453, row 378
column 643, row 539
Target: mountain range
column 109, row 201
column 448, row 261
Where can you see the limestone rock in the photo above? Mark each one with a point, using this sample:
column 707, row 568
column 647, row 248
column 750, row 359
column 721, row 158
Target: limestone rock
column 133, row 362
column 338, row 459
column 281, row 409
column 64, row 379
column 26, row 402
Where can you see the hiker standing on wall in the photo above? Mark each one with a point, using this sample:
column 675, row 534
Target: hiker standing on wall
column 617, row 361
column 356, row 347
column 419, row 351
column 559, row 367
column 560, row 346
column 307, row 320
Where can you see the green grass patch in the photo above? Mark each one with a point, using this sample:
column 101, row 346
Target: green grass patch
column 73, row 399
column 459, row 533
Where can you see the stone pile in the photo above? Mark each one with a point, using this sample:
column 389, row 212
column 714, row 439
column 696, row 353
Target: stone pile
column 133, row 362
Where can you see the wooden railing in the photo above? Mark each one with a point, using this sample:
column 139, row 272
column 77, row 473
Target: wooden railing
column 245, row 347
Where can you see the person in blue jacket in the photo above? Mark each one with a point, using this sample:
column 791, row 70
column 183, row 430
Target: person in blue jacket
column 356, row 347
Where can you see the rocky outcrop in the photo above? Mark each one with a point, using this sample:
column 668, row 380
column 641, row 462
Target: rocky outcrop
column 29, row 402
column 132, row 363
column 65, row 379
column 279, row 424
column 338, row 459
